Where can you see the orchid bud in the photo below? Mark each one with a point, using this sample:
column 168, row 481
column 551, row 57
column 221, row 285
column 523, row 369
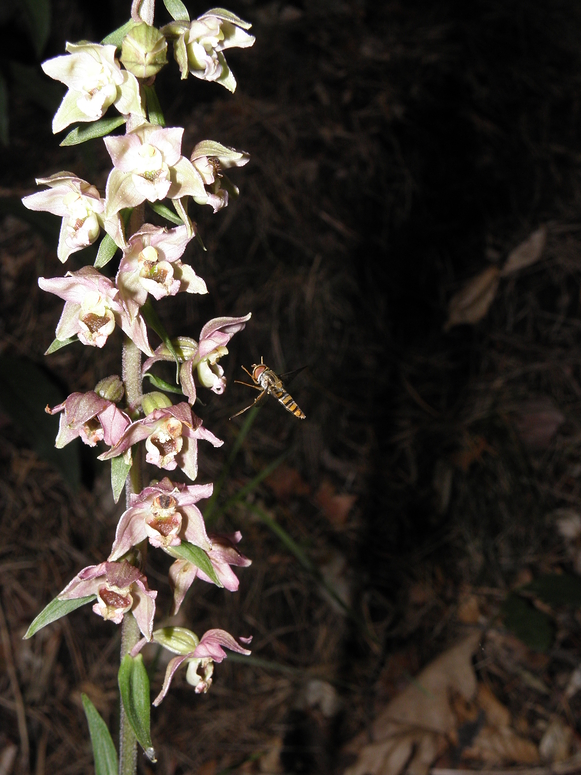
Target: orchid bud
column 176, row 639
column 111, row 388
column 144, row 51
column 155, row 400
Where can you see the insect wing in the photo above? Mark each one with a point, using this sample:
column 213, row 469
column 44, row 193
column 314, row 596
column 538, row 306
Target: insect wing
column 289, row 376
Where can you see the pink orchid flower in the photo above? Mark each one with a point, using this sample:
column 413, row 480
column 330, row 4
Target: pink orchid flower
column 95, row 81
column 92, row 309
column 210, row 158
column 199, row 655
column 80, row 206
column 148, row 164
column 166, row 515
column 171, row 439
column 151, row 264
column 120, row 588
column 222, row 554
column 202, row 356
column 199, row 45
column 91, row 417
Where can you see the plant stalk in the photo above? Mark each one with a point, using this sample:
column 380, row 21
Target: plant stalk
column 130, row 634
column 127, row 741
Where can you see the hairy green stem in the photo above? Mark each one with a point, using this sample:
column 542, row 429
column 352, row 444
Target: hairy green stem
column 130, row 634
column 127, row 741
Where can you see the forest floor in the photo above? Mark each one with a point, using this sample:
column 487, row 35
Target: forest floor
column 409, row 229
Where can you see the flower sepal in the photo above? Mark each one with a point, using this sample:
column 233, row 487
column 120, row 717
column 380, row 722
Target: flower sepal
column 144, row 51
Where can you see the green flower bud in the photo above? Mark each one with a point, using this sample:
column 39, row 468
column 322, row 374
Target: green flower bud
column 111, row 388
column 176, row 639
column 155, row 400
column 144, row 51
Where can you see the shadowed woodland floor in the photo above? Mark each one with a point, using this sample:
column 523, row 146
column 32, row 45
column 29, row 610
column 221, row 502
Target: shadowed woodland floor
column 397, row 151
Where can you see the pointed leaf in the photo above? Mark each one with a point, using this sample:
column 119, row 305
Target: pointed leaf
column 134, row 688
column 163, row 385
column 119, row 471
column 164, row 212
column 104, row 752
column 107, row 250
column 177, row 10
column 99, row 128
column 182, row 210
column 58, row 343
column 55, row 610
column 154, row 111
column 115, row 38
column 197, row 557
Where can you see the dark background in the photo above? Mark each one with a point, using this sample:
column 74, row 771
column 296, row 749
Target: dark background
column 397, row 150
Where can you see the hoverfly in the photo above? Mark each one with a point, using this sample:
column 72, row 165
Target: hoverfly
column 267, row 382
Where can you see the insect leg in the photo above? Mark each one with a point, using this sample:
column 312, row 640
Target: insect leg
column 248, row 385
column 246, row 408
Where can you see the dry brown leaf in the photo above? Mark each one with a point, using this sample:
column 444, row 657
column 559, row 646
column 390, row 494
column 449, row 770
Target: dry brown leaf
column 468, row 610
column 415, row 748
column 494, row 746
column 269, row 762
column 527, row 253
column 425, row 702
column 420, row 719
column 208, row 768
column 497, row 715
column 335, row 507
column 555, row 745
column 473, row 301
column 285, row 482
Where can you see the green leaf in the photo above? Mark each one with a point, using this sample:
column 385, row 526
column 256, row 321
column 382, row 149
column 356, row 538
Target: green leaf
column 55, row 610
column 107, row 250
column 37, row 15
column 81, row 134
column 134, row 688
column 119, row 471
column 4, row 135
column 556, row 589
column 58, row 343
column 177, row 10
column 530, row 625
column 163, row 385
column 165, row 212
column 197, row 557
column 115, row 38
column 104, row 752
column 154, row 110
column 181, row 209
column 25, row 390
